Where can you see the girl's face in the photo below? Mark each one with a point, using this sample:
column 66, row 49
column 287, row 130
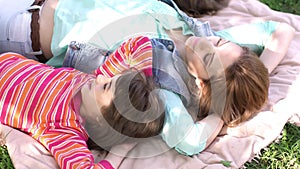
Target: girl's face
column 99, row 91
column 202, row 54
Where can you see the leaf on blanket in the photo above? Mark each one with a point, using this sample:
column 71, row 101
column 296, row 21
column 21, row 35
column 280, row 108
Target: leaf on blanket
column 226, row 163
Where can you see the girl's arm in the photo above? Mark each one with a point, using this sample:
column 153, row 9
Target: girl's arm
column 70, row 150
column 277, row 46
column 133, row 53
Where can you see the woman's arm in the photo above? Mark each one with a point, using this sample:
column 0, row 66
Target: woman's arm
column 269, row 39
column 277, row 46
column 181, row 132
column 133, row 53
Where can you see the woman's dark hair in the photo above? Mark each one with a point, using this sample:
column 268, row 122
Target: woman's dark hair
column 197, row 8
column 247, row 84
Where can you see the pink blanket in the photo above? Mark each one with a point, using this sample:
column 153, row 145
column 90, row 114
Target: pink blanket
column 239, row 144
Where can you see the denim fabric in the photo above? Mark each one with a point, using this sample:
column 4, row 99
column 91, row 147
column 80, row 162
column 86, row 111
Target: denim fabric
column 169, row 70
column 199, row 28
column 84, row 57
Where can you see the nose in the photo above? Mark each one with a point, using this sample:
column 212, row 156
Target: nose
column 102, row 79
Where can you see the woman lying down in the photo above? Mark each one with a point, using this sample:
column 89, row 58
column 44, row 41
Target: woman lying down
column 232, row 55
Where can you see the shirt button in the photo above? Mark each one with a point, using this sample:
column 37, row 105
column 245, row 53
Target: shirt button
column 170, row 47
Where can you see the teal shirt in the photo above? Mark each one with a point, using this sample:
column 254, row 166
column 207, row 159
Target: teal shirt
column 253, row 35
column 108, row 23
column 180, row 131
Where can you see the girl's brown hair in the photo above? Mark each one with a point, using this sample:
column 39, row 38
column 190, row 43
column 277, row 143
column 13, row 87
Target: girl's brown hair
column 247, row 83
column 136, row 110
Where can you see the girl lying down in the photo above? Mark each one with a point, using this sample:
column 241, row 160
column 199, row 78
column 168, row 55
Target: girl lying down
column 61, row 108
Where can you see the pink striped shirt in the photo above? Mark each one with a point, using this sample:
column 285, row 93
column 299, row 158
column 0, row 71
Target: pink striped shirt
column 37, row 99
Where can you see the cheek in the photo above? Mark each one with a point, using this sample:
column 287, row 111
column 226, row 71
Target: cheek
column 228, row 55
column 195, row 65
column 103, row 99
column 197, row 70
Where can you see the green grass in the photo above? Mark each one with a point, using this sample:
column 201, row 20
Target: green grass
column 281, row 154
column 290, row 6
column 5, row 161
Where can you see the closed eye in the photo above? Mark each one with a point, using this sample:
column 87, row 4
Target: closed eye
column 221, row 42
column 208, row 58
column 107, row 86
column 217, row 44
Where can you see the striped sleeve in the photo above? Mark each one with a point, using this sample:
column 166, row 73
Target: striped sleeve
column 134, row 53
column 70, row 150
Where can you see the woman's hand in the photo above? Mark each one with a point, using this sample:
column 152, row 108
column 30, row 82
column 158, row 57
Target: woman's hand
column 277, row 46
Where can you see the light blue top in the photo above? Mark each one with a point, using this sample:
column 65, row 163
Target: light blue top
column 179, row 129
column 254, row 35
column 107, row 23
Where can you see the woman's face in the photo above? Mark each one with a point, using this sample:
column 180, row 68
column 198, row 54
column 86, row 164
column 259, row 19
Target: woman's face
column 203, row 53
